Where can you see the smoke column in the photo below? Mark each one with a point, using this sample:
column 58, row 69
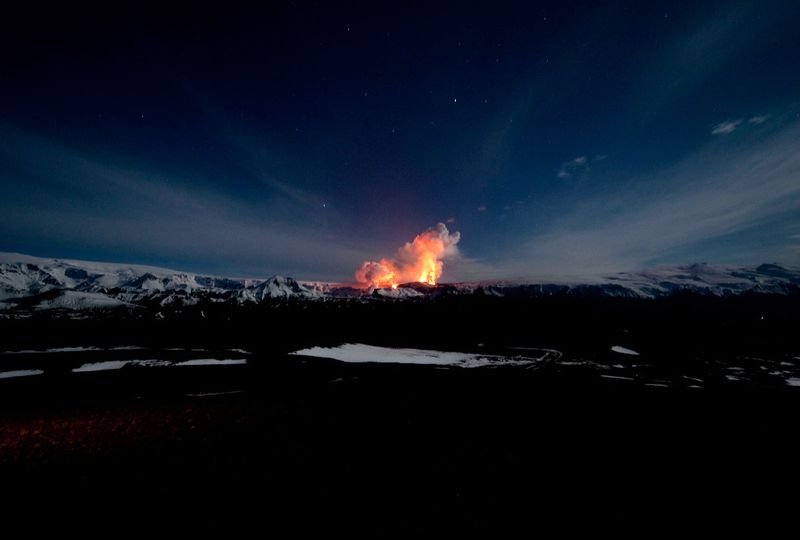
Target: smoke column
column 419, row 260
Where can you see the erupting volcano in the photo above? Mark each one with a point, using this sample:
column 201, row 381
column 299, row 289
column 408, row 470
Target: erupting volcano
column 419, row 260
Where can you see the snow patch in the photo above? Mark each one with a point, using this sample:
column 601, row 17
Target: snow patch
column 109, row 365
column 72, row 349
column 360, row 353
column 102, row 366
column 619, row 377
column 117, row 364
column 212, row 362
column 74, row 300
column 211, row 394
column 20, row 373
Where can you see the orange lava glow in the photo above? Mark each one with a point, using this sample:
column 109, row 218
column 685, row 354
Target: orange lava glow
column 419, row 260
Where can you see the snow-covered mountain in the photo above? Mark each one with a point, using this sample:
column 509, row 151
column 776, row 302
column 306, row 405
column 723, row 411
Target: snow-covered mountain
column 29, row 284
column 699, row 278
column 32, row 283
column 278, row 287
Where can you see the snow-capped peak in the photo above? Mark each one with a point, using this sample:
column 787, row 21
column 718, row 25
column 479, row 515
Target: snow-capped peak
column 31, row 283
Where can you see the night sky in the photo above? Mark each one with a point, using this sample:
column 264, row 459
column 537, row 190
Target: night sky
column 303, row 138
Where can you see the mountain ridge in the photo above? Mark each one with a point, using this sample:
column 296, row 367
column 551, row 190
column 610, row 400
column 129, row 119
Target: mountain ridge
column 38, row 284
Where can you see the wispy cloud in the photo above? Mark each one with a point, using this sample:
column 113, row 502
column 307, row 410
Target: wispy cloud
column 569, row 168
column 720, row 191
column 577, row 166
column 60, row 196
column 726, row 127
column 262, row 158
column 703, row 47
column 729, row 126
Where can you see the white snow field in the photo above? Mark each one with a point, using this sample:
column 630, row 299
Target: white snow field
column 624, row 350
column 360, row 353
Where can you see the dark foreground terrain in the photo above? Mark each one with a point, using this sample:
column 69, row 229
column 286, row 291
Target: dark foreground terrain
column 589, row 442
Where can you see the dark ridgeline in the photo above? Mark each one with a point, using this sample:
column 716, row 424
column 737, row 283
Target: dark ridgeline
column 673, row 327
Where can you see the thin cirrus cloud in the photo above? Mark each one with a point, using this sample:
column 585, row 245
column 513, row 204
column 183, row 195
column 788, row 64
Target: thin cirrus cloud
column 729, row 126
column 704, row 47
column 569, row 168
column 719, row 192
column 578, row 166
column 59, row 197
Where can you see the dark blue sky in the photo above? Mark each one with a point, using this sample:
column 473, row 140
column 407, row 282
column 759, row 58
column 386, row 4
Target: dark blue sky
column 302, row 138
